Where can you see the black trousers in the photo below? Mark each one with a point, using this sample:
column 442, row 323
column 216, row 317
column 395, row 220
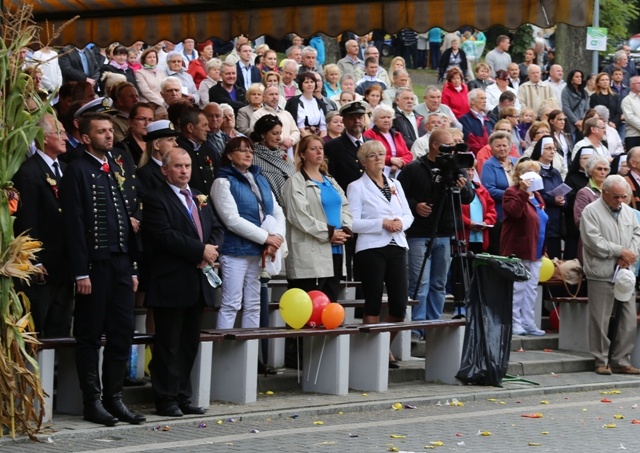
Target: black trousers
column 379, row 267
column 175, row 348
column 107, row 310
column 51, row 306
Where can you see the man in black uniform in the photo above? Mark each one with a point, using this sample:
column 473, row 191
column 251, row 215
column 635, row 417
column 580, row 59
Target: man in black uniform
column 98, row 233
column 194, row 128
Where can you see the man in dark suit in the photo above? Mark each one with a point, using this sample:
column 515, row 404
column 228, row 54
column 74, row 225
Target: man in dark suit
column 40, row 216
column 344, row 165
column 194, row 128
column 79, row 65
column 342, row 152
column 184, row 235
column 226, row 91
column 246, row 72
column 216, row 139
column 99, row 242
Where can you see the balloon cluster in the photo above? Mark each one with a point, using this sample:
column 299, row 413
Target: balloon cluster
column 314, row 309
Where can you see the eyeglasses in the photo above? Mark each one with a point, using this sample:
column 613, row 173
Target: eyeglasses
column 373, row 156
column 243, row 150
column 142, row 118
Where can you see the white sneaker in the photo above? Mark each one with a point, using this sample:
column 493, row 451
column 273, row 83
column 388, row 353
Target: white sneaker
column 532, row 329
column 517, row 329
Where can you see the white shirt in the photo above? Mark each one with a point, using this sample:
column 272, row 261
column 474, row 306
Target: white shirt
column 49, row 161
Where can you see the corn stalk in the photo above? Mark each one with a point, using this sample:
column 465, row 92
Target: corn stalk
column 21, row 394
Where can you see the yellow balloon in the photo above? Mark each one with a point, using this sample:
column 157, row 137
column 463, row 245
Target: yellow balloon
column 296, row 307
column 546, row 270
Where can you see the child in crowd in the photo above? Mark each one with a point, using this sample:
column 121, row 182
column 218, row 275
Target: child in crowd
column 133, row 56
column 527, row 117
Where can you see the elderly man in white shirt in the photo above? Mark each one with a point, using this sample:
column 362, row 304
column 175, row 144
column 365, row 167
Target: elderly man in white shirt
column 614, row 142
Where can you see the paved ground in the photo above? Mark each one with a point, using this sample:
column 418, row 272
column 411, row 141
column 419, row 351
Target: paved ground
column 574, row 418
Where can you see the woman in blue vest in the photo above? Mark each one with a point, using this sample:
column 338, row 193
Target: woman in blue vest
column 243, row 199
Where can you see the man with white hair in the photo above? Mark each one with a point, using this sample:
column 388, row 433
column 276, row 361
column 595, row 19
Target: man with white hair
column 294, row 53
column 477, row 125
column 309, row 60
column 610, row 252
column 270, row 106
column 594, row 131
column 171, row 90
column 532, row 93
column 421, row 145
column 351, row 63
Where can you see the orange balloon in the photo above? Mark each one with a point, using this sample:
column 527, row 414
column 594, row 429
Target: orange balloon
column 332, row 315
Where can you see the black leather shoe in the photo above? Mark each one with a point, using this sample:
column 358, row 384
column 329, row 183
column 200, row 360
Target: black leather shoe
column 169, row 411
column 192, row 410
column 116, row 407
column 95, row 412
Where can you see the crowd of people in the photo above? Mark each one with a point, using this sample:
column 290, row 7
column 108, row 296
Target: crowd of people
column 166, row 160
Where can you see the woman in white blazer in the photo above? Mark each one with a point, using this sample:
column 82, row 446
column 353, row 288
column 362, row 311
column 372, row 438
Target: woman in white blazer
column 381, row 214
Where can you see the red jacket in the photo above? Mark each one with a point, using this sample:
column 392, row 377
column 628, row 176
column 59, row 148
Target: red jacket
column 458, row 102
column 521, row 225
column 198, row 71
column 489, row 215
column 401, row 147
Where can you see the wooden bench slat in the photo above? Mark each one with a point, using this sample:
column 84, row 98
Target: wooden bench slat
column 413, row 325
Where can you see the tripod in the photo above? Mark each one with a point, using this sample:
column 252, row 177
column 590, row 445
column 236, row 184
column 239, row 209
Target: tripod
column 460, row 277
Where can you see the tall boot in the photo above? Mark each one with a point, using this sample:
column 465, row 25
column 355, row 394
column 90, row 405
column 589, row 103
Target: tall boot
column 112, row 379
column 93, row 410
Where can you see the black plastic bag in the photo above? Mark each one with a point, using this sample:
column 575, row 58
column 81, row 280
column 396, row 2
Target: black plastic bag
column 487, row 339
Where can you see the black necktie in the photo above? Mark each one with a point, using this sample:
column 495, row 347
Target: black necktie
column 358, row 144
column 56, row 172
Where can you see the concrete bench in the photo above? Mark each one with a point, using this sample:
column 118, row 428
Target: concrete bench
column 444, row 340
column 326, row 361
column 68, row 394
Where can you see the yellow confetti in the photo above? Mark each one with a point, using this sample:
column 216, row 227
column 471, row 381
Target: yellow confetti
column 544, row 402
column 392, row 449
column 535, row 444
column 268, row 419
column 545, row 432
column 318, row 422
column 610, row 392
column 618, row 417
column 610, row 425
column 327, row 442
column 268, row 392
column 493, row 400
column 365, row 394
column 502, row 402
column 437, row 443
column 457, row 403
column 397, row 406
column 485, row 433
column 219, row 422
column 340, row 413
column 397, row 436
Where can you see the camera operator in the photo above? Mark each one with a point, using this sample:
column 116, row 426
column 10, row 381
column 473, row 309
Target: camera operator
column 428, row 183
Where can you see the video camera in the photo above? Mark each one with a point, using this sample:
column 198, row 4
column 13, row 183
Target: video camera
column 452, row 161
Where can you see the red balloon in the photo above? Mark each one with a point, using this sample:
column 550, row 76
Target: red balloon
column 319, row 300
column 332, row 315
column 554, row 318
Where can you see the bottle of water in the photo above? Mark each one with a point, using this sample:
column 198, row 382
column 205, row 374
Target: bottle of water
column 212, row 277
column 133, row 362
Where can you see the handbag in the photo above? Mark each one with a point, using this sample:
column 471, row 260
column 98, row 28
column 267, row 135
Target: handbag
column 569, row 272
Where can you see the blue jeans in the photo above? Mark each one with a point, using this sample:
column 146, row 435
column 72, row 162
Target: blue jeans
column 431, row 291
